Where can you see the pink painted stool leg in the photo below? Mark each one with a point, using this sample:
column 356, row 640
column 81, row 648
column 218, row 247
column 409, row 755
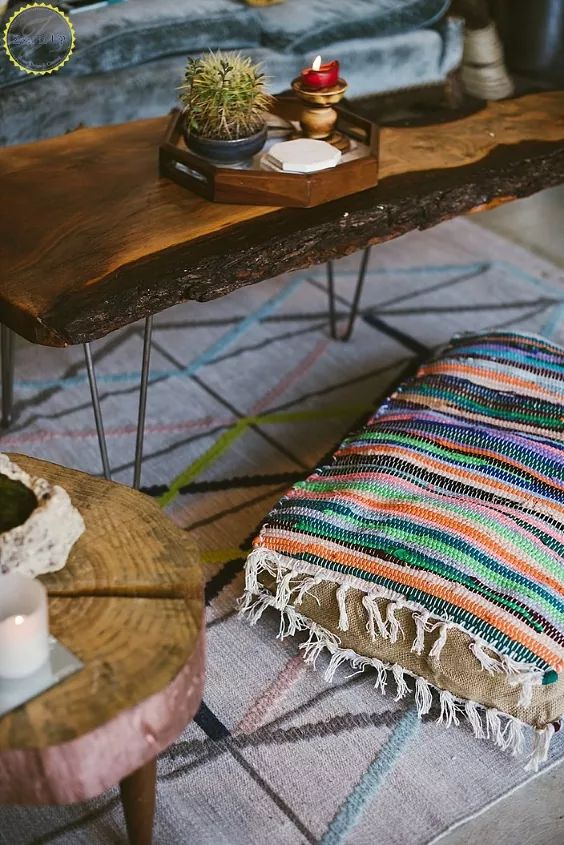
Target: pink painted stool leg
column 138, row 798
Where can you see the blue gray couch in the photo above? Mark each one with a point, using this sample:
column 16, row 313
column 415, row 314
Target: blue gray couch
column 129, row 58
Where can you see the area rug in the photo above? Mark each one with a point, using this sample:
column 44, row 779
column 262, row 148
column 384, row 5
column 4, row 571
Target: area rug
column 247, row 393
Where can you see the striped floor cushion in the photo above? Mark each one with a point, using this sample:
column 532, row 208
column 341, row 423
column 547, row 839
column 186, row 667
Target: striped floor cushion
column 431, row 547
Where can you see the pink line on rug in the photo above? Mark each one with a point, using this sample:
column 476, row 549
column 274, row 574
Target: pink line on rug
column 183, row 425
column 43, row 436
column 294, row 374
column 259, row 711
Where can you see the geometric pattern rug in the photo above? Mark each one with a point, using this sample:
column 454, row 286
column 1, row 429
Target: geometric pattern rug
column 247, row 394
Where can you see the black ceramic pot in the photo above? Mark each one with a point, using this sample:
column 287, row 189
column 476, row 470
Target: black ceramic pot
column 226, row 152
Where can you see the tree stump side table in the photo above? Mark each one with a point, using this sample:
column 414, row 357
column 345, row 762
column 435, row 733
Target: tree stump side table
column 129, row 603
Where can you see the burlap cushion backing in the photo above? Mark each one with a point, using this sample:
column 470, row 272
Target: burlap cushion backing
column 457, row 670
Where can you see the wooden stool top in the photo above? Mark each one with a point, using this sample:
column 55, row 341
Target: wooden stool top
column 129, row 603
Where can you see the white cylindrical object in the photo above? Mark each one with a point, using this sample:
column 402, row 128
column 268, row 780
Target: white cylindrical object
column 24, row 627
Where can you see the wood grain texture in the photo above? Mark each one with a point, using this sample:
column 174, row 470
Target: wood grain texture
column 121, row 244
column 140, row 636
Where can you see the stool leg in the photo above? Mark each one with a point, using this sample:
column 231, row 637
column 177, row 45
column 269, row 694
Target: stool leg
column 97, row 411
column 7, row 343
column 138, row 791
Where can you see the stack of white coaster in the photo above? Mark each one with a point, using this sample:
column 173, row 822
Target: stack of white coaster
column 303, row 155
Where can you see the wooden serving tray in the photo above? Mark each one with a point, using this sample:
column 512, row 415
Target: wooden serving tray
column 253, row 184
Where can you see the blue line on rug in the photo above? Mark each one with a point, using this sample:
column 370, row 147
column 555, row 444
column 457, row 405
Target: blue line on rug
column 206, row 357
column 350, row 811
column 422, row 269
column 549, row 328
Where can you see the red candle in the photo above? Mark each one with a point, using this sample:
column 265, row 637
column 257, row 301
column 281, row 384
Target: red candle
column 320, row 76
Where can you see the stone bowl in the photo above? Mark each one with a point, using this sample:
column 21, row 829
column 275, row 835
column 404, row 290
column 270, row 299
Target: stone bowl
column 38, row 523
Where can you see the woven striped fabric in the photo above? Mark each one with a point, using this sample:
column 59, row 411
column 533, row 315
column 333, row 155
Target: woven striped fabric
column 451, row 498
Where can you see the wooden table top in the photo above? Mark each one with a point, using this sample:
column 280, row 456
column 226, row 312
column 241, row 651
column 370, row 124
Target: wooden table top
column 93, row 239
column 129, row 603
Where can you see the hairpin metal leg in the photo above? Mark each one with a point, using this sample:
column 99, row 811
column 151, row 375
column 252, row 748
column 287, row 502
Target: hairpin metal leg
column 353, row 312
column 331, row 295
column 7, row 343
column 143, row 389
column 97, row 411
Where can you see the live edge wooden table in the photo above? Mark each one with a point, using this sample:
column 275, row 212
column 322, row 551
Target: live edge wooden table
column 129, row 603
column 92, row 239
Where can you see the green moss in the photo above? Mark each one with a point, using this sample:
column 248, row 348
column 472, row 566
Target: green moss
column 17, row 502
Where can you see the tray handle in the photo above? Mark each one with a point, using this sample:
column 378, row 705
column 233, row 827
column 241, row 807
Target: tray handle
column 188, row 172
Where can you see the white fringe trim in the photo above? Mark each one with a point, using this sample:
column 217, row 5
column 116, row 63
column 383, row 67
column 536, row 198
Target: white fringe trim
column 285, row 570
column 485, row 722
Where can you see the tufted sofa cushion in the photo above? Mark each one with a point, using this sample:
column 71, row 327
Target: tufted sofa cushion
column 139, row 31
column 304, row 25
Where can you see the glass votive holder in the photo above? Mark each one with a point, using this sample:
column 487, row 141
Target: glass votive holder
column 24, row 627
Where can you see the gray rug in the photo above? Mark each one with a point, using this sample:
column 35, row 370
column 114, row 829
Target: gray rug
column 247, row 394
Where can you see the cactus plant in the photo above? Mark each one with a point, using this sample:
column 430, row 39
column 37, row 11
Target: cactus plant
column 224, row 96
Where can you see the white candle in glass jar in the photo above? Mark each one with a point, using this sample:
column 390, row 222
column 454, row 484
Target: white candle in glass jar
column 24, row 628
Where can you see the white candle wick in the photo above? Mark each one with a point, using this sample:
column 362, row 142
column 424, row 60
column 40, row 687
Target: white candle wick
column 316, row 64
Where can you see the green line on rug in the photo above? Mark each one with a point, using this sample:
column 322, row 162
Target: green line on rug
column 221, row 555
column 227, row 438
column 212, row 454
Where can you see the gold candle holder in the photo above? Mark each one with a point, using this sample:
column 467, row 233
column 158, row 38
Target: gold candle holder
column 318, row 117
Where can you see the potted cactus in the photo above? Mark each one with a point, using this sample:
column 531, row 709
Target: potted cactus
column 225, row 103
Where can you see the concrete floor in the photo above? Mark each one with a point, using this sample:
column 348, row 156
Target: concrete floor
column 536, row 222
column 534, row 813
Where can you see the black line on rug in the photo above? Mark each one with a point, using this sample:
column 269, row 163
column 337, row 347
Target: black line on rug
column 167, row 450
column 424, row 289
column 274, row 797
column 340, row 384
column 76, row 824
column 516, row 320
column 216, row 731
column 230, row 321
column 238, row 481
column 222, row 578
column 219, row 619
column 219, row 747
column 294, row 734
column 221, row 399
column 207, row 486
column 396, row 334
column 210, row 724
column 544, row 302
column 109, row 345
column 238, row 508
column 272, row 441
column 263, row 344
column 406, row 340
column 270, row 732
